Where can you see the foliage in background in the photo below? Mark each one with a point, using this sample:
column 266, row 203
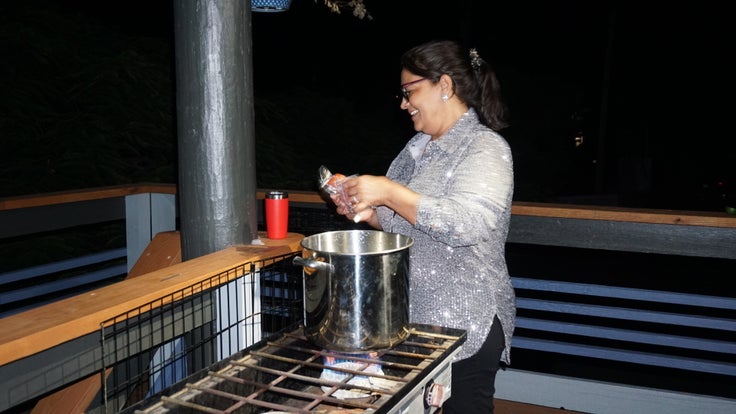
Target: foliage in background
column 85, row 105
column 357, row 6
column 82, row 105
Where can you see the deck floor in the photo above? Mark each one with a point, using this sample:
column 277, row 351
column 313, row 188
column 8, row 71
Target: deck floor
column 513, row 407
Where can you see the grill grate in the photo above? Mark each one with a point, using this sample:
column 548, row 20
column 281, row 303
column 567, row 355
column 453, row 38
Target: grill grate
column 285, row 374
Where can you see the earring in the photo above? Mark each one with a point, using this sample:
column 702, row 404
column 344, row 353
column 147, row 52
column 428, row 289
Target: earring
column 445, row 97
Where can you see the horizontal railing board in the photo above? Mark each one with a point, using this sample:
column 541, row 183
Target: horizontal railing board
column 62, row 265
column 70, row 282
column 625, row 293
column 701, row 241
column 628, row 335
column 83, row 194
column 635, row 357
column 32, row 220
column 38, row 303
column 558, row 311
column 627, row 314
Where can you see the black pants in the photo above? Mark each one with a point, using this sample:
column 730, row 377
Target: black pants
column 474, row 378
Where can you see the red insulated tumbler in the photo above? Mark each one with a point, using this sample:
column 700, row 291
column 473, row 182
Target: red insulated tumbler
column 277, row 214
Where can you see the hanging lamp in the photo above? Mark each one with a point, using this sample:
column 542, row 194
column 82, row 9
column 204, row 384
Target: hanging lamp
column 270, row 6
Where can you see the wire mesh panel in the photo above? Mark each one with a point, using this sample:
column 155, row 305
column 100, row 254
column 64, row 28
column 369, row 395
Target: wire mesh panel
column 148, row 349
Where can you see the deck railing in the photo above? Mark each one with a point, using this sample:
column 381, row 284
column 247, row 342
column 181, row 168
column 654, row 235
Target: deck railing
column 141, row 210
column 623, row 307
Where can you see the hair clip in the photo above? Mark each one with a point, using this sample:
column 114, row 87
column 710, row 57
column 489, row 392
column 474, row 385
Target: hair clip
column 474, row 59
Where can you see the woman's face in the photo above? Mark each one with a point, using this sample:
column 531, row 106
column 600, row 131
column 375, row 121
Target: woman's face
column 422, row 99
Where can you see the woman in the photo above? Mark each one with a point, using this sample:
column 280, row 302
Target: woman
column 450, row 189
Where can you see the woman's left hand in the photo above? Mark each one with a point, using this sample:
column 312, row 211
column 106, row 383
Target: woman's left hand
column 355, row 210
column 362, row 197
column 366, row 192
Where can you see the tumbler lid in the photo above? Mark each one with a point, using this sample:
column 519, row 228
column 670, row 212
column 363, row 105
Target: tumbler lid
column 277, row 195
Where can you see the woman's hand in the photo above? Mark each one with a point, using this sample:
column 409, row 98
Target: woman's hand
column 359, row 201
column 354, row 209
column 343, row 208
column 366, row 192
column 371, row 191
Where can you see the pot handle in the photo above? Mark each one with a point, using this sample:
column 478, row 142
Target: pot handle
column 312, row 264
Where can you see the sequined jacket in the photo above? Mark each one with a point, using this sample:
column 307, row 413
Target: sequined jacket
column 457, row 263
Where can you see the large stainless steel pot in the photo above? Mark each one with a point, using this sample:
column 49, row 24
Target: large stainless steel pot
column 356, row 289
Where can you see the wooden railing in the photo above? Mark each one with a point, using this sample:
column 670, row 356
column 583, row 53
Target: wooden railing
column 143, row 211
column 591, row 318
column 625, row 312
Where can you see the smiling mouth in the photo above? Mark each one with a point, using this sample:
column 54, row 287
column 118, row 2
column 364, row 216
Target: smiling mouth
column 414, row 112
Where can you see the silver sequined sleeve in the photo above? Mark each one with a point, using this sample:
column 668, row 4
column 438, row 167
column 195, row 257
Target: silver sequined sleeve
column 457, row 263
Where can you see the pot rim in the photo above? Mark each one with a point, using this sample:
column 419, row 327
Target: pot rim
column 404, row 242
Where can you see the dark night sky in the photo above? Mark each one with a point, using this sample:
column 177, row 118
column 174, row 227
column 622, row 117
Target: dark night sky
column 665, row 120
column 666, row 131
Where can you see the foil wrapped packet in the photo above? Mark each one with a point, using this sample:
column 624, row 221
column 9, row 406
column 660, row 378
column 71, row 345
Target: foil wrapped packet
column 332, row 184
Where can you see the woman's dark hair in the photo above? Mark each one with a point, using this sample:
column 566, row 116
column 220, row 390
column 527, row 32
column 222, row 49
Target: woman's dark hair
column 474, row 80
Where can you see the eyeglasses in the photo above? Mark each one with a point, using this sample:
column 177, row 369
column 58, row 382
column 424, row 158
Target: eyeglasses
column 404, row 92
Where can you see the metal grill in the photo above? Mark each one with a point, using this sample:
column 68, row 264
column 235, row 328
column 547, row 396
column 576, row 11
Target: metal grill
column 287, row 374
column 147, row 350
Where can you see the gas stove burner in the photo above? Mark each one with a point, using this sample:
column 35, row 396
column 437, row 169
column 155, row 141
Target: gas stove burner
column 287, row 373
column 354, row 375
